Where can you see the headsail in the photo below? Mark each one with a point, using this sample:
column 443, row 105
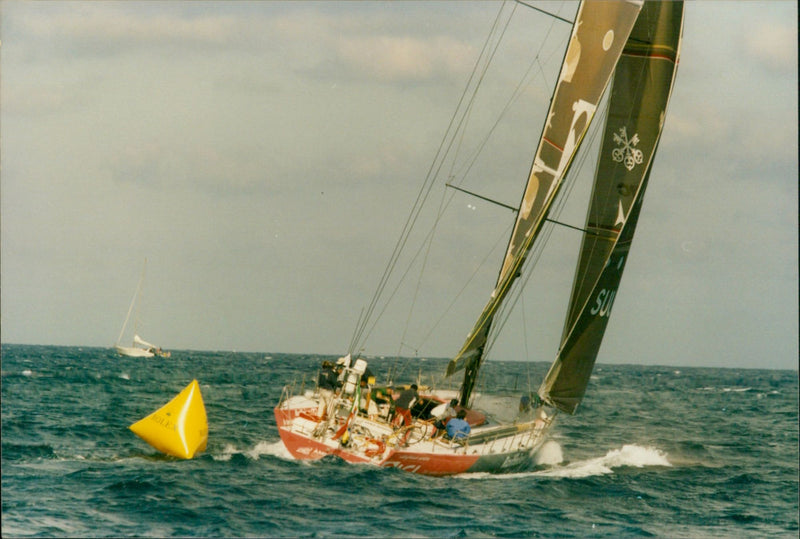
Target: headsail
column 141, row 342
column 598, row 36
column 640, row 92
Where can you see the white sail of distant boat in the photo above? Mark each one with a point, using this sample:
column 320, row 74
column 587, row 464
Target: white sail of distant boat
column 139, row 347
column 632, row 48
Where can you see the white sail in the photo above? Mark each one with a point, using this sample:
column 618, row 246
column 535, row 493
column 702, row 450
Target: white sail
column 141, row 342
column 139, row 347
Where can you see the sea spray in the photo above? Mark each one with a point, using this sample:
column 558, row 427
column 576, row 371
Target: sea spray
column 549, row 454
column 274, row 449
column 628, row 455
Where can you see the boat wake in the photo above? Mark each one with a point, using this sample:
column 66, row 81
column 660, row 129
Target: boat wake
column 629, row 456
column 550, row 455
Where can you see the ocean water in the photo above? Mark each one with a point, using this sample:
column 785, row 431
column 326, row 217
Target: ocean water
column 652, row 451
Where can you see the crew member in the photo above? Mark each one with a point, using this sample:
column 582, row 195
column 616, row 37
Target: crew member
column 326, row 383
column 405, row 402
column 442, row 414
column 458, row 428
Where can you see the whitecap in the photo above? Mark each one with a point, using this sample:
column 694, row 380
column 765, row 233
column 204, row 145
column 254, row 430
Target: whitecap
column 275, row 449
column 227, row 452
column 630, row 455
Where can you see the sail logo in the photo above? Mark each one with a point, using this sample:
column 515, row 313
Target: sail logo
column 626, row 153
column 603, row 303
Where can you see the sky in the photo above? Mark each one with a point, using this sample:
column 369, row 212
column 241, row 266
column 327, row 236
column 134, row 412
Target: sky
column 263, row 158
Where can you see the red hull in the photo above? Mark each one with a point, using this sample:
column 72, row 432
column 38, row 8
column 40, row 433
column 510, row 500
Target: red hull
column 303, row 447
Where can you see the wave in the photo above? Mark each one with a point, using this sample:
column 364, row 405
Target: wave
column 12, row 451
column 736, row 389
column 274, row 449
column 628, row 456
column 27, row 373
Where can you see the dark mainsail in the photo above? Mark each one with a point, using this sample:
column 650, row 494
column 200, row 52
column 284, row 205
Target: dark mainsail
column 640, row 92
column 600, row 31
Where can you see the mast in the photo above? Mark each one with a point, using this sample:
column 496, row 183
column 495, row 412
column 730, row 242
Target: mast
column 643, row 82
column 598, row 36
column 133, row 302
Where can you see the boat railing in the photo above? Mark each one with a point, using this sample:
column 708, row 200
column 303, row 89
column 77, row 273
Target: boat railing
column 285, row 394
column 289, row 390
column 529, row 429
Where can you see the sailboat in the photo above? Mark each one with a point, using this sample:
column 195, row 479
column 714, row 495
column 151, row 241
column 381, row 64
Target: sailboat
column 139, row 347
column 630, row 50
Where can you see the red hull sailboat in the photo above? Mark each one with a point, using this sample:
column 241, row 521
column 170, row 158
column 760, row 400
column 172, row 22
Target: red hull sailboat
column 630, row 48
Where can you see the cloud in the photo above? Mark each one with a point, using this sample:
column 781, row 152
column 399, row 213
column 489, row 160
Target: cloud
column 106, row 28
column 773, row 46
column 369, row 46
column 404, row 58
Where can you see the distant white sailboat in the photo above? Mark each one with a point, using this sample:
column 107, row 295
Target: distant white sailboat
column 139, row 347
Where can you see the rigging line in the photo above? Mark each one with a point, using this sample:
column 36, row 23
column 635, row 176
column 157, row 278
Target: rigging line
column 462, row 125
column 579, row 229
column 487, row 322
column 564, row 195
column 544, row 236
column 557, row 17
column 525, row 332
column 426, row 186
column 462, row 129
column 488, row 62
column 466, row 284
column 518, row 91
column 351, row 346
column 598, row 126
column 429, row 238
column 422, row 195
column 515, row 95
column 134, row 303
column 429, row 243
column 485, row 70
column 507, row 308
column 476, row 195
column 402, row 278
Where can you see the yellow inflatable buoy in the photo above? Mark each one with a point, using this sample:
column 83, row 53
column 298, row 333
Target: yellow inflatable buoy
column 180, row 428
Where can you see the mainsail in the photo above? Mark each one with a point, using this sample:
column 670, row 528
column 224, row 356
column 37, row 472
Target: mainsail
column 640, row 92
column 598, row 36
